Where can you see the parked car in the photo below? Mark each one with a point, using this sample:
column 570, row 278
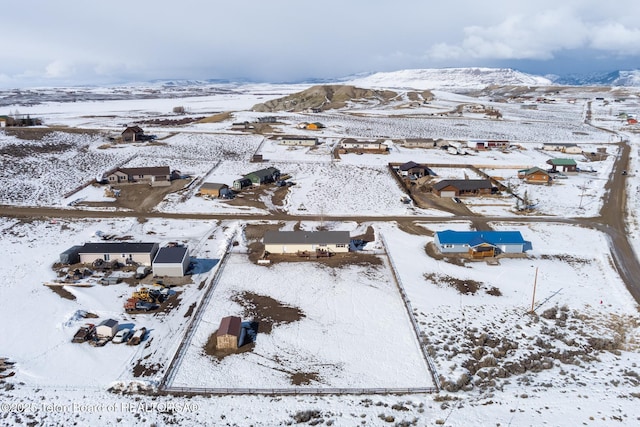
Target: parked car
column 122, row 336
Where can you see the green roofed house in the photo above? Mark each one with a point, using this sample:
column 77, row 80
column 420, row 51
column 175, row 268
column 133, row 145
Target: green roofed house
column 263, row 176
column 567, row 165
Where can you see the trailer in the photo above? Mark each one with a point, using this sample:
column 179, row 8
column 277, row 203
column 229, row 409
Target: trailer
column 85, row 333
column 138, row 336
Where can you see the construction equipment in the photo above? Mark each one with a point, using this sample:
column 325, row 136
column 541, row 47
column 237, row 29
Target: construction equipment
column 144, row 294
column 133, row 304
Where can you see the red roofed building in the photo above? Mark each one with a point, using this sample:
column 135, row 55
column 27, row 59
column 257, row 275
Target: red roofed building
column 228, row 333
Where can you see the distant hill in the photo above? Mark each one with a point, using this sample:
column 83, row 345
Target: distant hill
column 451, row 79
column 630, row 78
column 326, row 97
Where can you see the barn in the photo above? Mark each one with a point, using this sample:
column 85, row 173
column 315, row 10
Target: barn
column 107, row 328
column 171, row 261
column 292, row 242
column 228, row 334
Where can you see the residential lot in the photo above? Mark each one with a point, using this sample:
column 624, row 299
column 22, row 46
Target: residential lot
column 348, row 328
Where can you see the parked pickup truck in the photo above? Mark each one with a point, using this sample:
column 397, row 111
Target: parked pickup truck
column 133, row 304
column 85, row 333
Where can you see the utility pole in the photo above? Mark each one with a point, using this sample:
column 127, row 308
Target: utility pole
column 533, row 299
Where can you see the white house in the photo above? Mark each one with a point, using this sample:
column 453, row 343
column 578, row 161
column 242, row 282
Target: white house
column 283, row 242
column 122, row 252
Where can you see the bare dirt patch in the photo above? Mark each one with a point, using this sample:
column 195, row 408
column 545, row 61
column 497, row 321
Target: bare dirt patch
column 62, row 292
column 141, row 369
column 411, row 227
column 466, row 286
column 268, row 312
column 368, row 236
column 279, row 196
column 140, row 197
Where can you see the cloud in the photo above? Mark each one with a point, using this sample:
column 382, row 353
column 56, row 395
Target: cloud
column 59, row 69
column 617, row 38
column 539, row 36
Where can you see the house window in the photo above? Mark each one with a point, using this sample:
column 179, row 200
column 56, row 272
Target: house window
column 340, row 245
column 107, row 257
column 140, row 176
column 322, row 245
column 447, row 246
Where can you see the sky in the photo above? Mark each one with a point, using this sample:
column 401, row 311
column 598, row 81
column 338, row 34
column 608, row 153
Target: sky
column 75, row 42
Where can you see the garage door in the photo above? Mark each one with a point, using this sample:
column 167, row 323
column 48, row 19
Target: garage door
column 448, row 194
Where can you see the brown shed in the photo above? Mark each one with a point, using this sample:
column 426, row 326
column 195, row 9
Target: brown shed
column 228, row 333
column 212, row 189
column 132, row 134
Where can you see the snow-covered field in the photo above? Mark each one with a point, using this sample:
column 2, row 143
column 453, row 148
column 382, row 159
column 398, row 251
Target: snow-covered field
column 574, row 362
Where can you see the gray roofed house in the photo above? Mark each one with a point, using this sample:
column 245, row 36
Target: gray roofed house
column 171, row 261
column 122, row 252
column 281, row 242
column 154, row 175
column 462, row 187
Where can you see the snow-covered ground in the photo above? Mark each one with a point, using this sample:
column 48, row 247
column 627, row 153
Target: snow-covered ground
column 575, row 362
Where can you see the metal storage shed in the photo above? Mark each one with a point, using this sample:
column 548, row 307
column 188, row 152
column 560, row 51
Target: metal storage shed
column 172, row 261
column 107, row 328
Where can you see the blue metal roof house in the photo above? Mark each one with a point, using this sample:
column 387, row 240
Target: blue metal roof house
column 481, row 243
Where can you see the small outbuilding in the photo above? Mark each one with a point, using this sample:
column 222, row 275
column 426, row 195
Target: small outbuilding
column 212, row 189
column 171, row 261
column 71, row 255
column 228, row 334
column 107, row 328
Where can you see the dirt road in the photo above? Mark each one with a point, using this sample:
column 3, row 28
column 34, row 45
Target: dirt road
column 610, row 221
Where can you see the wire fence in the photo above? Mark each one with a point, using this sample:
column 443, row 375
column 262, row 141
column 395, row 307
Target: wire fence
column 296, row 391
column 425, row 352
column 197, row 317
